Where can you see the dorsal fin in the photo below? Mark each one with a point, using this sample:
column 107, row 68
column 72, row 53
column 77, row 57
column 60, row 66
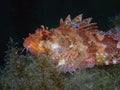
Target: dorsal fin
column 68, row 20
column 77, row 19
column 77, row 22
column 88, row 26
column 61, row 22
column 87, row 21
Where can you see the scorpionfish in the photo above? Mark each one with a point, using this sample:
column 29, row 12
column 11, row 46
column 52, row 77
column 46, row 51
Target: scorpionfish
column 76, row 43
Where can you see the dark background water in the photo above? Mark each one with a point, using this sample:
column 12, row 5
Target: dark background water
column 20, row 17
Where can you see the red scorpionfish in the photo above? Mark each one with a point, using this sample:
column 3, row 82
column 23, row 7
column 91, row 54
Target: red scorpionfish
column 75, row 44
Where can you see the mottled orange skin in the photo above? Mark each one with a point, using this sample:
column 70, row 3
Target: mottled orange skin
column 74, row 44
